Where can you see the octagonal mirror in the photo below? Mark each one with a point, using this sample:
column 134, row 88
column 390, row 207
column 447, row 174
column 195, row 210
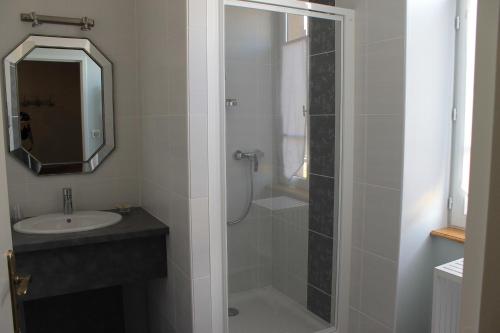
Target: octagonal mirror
column 59, row 94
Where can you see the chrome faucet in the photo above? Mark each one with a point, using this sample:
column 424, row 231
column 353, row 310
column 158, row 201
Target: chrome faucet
column 252, row 156
column 67, row 201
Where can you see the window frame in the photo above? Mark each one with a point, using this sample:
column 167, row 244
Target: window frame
column 462, row 101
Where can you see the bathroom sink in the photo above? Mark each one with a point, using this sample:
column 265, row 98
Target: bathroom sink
column 60, row 223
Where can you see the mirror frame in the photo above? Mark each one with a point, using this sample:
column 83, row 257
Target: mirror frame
column 12, row 101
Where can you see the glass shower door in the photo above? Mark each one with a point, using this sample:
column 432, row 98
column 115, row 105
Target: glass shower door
column 282, row 97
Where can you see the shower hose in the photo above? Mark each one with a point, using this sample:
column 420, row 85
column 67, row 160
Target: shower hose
column 249, row 204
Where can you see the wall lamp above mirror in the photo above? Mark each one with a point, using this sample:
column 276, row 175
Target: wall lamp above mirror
column 59, row 94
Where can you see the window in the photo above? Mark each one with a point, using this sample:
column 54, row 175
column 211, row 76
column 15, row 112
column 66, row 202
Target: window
column 296, row 27
column 294, row 79
column 462, row 112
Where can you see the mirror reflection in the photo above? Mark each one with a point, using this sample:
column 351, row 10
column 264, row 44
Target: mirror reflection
column 60, row 94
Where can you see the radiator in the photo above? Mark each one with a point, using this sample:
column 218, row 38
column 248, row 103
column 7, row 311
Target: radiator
column 446, row 297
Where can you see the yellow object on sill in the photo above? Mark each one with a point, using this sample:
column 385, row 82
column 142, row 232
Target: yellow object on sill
column 454, row 234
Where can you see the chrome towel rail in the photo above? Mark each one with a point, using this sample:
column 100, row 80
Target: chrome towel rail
column 84, row 23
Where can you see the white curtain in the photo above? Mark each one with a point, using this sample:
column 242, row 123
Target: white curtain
column 294, row 95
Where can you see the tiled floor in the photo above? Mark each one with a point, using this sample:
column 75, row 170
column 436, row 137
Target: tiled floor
column 269, row 311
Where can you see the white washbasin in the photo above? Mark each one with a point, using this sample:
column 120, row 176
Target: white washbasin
column 60, row 223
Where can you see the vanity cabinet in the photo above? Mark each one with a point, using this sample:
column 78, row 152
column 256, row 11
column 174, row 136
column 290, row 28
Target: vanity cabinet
column 91, row 266
column 93, row 263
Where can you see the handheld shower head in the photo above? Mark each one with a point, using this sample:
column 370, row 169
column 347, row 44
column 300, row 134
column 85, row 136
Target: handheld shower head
column 253, row 157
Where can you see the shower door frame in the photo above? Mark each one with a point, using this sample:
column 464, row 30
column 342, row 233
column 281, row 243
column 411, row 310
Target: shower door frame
column 217, row 149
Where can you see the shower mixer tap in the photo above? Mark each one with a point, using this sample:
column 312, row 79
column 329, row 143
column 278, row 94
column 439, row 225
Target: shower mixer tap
column 252, row 156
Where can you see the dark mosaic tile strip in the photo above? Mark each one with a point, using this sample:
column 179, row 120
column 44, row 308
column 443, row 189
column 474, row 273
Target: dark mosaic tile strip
column 322, row 84
column 321, row 204
column 322, row 97
column 319, row 303
column 322, row 145
column 319, row 273
column 322, row 35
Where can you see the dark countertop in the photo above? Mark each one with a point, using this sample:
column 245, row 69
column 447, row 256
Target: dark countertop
column 138, row 223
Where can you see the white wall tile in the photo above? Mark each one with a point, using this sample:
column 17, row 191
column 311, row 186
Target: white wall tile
column 177, row 18
column 197, row 61
column 264, row 244
column 249, row 79
column 165, row 160
column 150, row 197
column 243, row 253
column 178, row 173
column 353, row 321
column 200, row 238
column 161, row 303
column 358, row 215
column 385, row 78
column 360, row 7
column 178, row 136
column 384, row 150
column 385, row 19
column 120, row 46
column 355, row 278
column 360, row 149
column 198, row 155
column 16, row 172
column 378, row 285
column 197, row 13
column 367, row 324
column 180, row 232
column 380, row 29
column 177, row 103
column 289, row 252
column 202, row 309
column 382, row 221
column 183, row 303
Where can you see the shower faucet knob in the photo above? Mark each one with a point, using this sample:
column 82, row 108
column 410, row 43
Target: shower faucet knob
column 253, row 157
column 239, row 155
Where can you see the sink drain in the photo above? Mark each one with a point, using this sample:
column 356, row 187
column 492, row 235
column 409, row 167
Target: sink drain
column 232, row 312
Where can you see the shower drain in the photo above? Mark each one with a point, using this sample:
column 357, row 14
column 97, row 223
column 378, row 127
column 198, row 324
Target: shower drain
column 232, row 312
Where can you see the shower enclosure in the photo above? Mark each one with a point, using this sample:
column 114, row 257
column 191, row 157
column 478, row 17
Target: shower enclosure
column 288, row 127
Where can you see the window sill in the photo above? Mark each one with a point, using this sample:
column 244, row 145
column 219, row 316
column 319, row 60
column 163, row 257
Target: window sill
column 450, row 233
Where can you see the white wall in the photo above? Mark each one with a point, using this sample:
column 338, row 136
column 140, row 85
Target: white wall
column 199, row 164
column 117, row 180
column 162, row 54
column 490, row 297
column 249, row 126
column 430, row 49
column 290, row 247
column 378, row 160
column 148, row 43
column 485, row 93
